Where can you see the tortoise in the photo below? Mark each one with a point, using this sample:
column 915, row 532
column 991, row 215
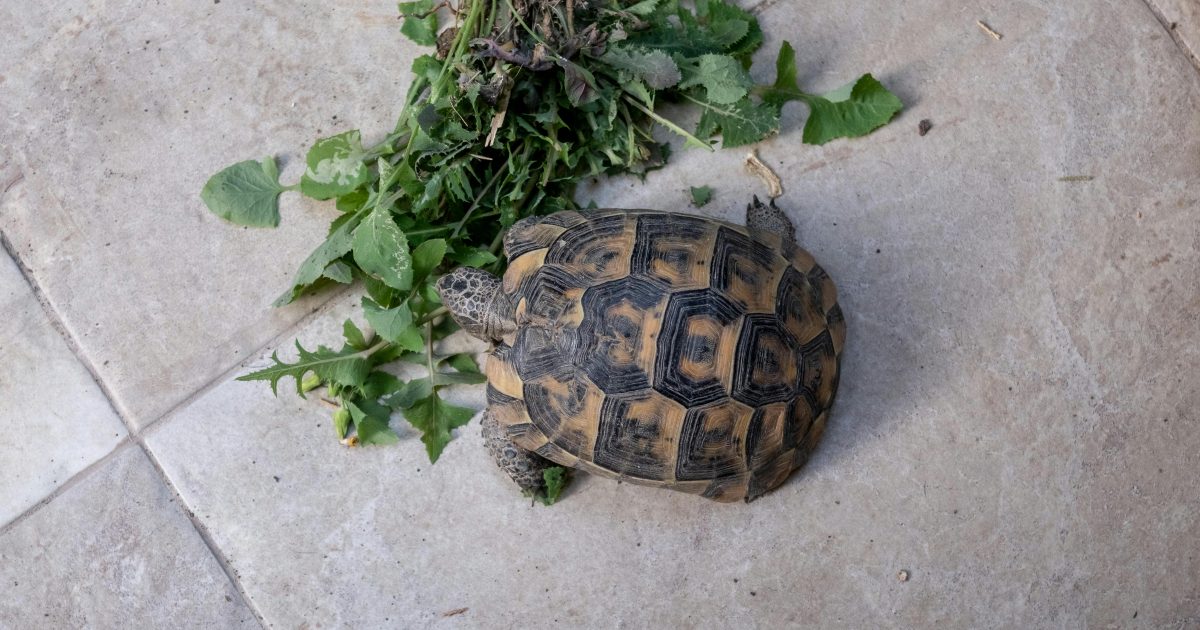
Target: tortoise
column 657, row 348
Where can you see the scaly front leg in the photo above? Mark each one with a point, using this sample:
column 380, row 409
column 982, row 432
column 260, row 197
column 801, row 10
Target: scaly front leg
column 523, row 466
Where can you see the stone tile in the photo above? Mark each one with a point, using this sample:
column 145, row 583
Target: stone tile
column 1016, row 426
column 116, row 113
column 55, row 416
column 1182, row 17
column 114, row 551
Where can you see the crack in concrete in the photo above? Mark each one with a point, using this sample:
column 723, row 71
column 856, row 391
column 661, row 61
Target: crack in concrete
column 1173, row 33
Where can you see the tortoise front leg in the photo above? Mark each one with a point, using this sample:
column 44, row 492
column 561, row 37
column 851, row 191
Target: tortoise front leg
column 524, row 467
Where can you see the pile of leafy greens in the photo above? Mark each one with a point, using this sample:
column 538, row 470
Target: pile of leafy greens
column 522, row 100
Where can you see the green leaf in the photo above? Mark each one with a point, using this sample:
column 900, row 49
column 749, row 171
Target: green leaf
column 736, row 29
column 458, row 378
column 643, row 8
column 339, row 272
column 785, row 87
column 555, row 479
column 354, row 336
column 472, row 257
column 336, row 245
column 426, row 257
column 394, row 325
column 655, row 67
column 463, row 362
column 701, row 195
column 372, row 429
column 436, row 419
column 335, row 166
column 346, row 367
column 246, row 193
column 379, row 384
column 724, row 79
column 422, row 30
column 868, row 106
column 408, row 395
column 381, row 250
column 743, row 122
column 353, row 201
column 852, row 110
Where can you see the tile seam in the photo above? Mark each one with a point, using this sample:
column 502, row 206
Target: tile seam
column 1173, row 33
column 133, row 436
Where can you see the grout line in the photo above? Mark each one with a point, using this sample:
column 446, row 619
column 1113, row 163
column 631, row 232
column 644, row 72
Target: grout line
column 71, row 482
column 205, row 535
column 1173, row 32
column 133, row 436
column 61, row 326
column 317, row 311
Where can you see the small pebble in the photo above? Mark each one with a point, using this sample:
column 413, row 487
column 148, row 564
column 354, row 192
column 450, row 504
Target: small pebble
column 924, row 126
column 902, row 576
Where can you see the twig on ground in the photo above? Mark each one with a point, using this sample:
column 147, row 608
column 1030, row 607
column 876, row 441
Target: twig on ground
column 764, row 172
column 989, row 30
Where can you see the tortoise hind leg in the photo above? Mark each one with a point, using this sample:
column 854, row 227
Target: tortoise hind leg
column 524, row 467
column 769, row 218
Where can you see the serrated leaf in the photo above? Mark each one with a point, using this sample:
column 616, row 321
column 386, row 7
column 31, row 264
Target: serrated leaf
column 347, row 367
column 426, row 257
column 655, row 67
column 381, row 250
column 337, row 244
column 435, row 419
column 725, row 21
column 372, row 429
column 741, row 123
column 725, row 81
column 335, row 166
column 701, row 195
column 394, row 325
column 868, row 106
column 246, row 193
column 422, row 30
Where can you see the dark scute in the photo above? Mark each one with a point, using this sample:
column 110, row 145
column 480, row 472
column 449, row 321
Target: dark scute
column 625, row 443
column 674, row 343
column 607, row 336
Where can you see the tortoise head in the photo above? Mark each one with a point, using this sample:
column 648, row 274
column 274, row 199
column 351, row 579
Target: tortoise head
column 476, row 301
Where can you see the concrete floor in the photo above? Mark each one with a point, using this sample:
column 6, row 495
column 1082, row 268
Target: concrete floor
column 1017, row 426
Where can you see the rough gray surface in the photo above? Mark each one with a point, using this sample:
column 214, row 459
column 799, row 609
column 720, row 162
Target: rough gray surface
column 1182, row 18
column 1017, row 425
column 116, row 113
column 114, row 551
column 54, row 417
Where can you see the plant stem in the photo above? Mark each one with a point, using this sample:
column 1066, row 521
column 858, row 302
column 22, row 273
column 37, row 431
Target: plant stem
column 690, row 139
column 432, row 315
column 475, row 204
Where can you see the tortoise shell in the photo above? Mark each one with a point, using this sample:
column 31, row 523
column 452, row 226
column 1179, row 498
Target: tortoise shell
column 666, row 349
